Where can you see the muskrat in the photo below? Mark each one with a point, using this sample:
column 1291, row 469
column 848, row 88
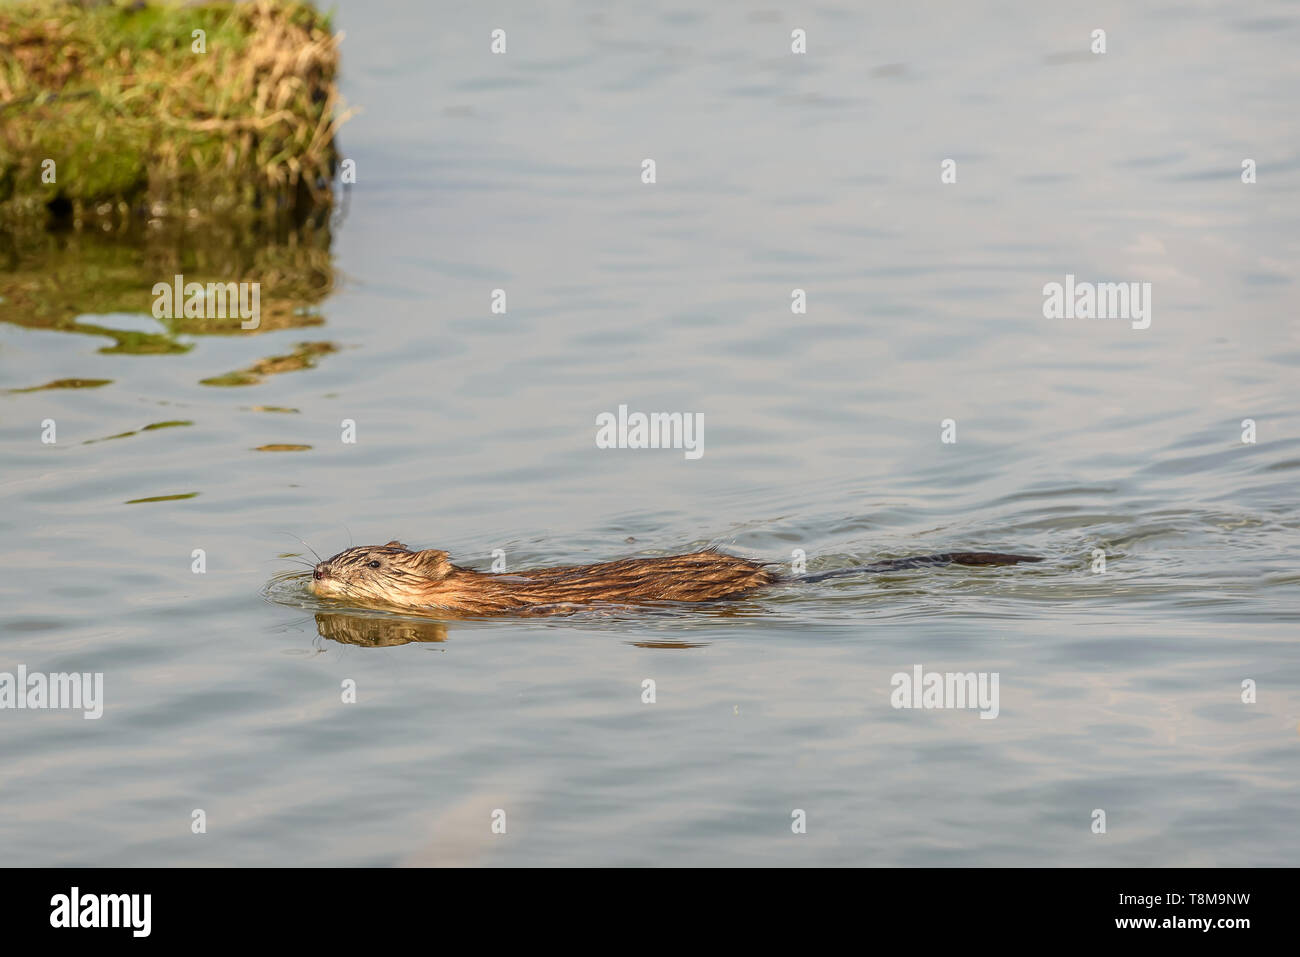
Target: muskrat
column 394, row 575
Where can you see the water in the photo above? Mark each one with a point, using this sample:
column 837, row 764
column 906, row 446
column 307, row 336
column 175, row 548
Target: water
column 1118, row 691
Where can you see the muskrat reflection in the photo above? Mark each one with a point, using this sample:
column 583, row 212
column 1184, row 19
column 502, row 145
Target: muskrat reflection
column 372, row 631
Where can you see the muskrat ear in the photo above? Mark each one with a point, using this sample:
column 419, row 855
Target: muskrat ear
column 396, row 544
column 432, row 562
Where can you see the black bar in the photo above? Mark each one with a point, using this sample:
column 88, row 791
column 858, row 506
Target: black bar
column 329, row 906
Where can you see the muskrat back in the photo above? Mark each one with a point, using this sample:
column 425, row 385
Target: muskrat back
column 394, row 575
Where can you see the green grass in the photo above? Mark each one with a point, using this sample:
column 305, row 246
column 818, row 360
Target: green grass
column 138, row 123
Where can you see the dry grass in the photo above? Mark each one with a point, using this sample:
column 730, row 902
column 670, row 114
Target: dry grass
column 138, row 123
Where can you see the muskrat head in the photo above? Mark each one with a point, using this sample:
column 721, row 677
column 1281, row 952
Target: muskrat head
column 390, row 573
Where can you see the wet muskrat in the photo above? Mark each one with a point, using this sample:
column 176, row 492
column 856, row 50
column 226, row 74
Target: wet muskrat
column 393, row 575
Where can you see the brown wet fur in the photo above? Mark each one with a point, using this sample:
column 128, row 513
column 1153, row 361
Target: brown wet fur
column 428, row 579
column 393, row 575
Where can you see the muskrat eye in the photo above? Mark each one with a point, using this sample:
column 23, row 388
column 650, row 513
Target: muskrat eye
column 374, row 564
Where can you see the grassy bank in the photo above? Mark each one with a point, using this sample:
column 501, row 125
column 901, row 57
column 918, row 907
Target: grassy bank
column 111, row 111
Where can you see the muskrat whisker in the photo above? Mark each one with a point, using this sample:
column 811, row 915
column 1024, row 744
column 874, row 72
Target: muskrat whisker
column 288, row 558
column 308, row 547
column 282, row 577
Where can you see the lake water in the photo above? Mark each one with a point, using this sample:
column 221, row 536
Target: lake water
column 1120, row 690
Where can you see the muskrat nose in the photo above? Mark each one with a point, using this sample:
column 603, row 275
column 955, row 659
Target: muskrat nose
column 320, row 571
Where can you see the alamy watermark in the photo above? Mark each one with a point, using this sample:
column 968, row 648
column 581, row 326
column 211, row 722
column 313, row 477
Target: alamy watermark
column 1100, row 300
column 76, row 691
column 75, row 909
column 215, row 300
column 654, row 430
column 935, row 689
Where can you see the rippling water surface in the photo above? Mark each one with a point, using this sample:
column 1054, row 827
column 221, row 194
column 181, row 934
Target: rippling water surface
column 1119, row 691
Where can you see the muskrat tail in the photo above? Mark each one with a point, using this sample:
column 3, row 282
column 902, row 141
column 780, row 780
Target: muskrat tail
column 925, row 561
